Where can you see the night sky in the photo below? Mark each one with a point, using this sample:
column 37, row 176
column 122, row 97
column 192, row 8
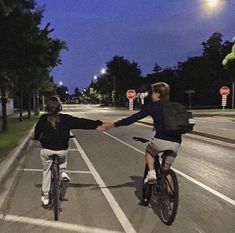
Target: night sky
column 144, row 31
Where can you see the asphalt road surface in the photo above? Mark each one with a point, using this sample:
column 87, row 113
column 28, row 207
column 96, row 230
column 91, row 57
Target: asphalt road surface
column 106, row 178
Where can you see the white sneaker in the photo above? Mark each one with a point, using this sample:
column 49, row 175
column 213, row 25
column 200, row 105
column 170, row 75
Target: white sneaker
column 45, row 200
column 151, row 177
column 65, row 177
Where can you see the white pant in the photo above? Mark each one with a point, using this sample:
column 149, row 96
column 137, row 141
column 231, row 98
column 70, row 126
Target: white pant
column 156, row 146
column 46, row 163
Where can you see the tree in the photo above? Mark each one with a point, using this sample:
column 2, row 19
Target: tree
column 229, row 64
column 62, row 91
column 27, row 52
column 123, row 75
column 12, row 16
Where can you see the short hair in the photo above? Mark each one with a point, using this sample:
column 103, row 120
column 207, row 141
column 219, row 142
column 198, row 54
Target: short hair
column 162, row 89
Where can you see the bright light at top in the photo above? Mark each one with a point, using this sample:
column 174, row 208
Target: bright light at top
column 103, row 71
column 95, row 77
column 212, row 3
column 61, row 83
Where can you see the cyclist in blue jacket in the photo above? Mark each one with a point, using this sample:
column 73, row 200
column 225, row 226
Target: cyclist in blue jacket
column 161, row 140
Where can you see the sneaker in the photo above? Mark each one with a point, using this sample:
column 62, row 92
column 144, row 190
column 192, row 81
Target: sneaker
column 151, row 177
column 45, row 200
column 65, row 177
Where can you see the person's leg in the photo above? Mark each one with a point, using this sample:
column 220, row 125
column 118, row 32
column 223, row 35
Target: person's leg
column 168, row 163
column 149, row 160
column 63, row 165
column 151, row 176
column 46, row 177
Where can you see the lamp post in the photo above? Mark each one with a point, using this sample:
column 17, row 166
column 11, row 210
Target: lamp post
column 114, row 90
column 190, row 92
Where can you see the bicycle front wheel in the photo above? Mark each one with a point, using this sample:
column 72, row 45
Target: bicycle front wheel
column 169, row 197
column 55, row 191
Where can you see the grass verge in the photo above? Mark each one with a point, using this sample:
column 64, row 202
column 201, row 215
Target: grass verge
column 16, row 130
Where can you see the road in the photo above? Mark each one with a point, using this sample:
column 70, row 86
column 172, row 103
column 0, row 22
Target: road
column 106, row 175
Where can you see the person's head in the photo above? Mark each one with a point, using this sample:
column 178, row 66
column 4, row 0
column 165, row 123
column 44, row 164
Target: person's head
column 160, row 91
column 53, row 106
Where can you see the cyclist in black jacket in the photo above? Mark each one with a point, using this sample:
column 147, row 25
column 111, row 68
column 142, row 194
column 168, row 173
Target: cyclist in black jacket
column 53, row 130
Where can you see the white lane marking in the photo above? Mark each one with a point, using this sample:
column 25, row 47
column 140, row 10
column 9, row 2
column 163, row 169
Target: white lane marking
column 73, row 149
column 215, row 141
column 56, row 225
column 211, row 190
column 68, row 171
column 111, row 200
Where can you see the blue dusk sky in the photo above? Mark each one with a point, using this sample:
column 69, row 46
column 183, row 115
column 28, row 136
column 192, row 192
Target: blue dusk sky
column 144, row 31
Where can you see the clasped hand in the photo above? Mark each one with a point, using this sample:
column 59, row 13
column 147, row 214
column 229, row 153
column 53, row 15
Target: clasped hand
column 105, row 126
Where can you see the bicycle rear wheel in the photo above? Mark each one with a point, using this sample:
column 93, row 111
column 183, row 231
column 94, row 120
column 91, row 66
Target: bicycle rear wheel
column 169, row 197
column 55, row 192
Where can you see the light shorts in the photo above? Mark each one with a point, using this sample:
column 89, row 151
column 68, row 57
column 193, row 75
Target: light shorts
column 156, row 146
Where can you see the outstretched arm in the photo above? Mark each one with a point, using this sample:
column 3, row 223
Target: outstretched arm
column 83, row 123
column 133, row 118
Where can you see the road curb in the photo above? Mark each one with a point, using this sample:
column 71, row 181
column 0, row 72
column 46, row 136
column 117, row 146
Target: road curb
column 7, row 163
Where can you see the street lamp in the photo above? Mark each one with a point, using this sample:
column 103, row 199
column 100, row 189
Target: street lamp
column 190, row 92
column 103, row 71
column 212, row 3
column 95, row 78
column 61, row 83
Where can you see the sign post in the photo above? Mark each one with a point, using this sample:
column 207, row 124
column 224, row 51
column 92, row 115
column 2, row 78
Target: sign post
column 130, row 95
column 224, row 91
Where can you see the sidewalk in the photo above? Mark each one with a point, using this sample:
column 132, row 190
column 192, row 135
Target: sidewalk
column 220, row 128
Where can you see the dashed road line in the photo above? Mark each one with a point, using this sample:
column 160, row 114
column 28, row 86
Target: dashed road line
column 68, row 171
column 209, row 189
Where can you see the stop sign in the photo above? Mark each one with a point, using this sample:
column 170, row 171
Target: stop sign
column 130, row 94
column 224, row 90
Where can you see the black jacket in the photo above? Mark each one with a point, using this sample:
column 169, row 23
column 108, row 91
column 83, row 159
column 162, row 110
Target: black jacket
column 57, row 138
column 155, row 110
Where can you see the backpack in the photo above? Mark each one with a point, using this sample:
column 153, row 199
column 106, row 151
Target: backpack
column 177, row 119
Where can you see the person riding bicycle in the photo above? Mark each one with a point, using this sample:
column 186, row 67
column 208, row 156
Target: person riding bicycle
column 53, row 131
column 161, row 140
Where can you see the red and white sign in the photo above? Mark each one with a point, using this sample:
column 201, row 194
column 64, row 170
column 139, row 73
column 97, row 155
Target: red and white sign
column 130, row 94
column 224, row 101
column 224, row 91
column 131, row 104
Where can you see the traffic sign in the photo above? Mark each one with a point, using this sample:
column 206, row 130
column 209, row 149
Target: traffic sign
column 224, row 91
column 130, row 94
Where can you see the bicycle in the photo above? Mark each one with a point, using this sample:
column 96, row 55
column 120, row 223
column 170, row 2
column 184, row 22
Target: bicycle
column 57, row 188
column 164, row 189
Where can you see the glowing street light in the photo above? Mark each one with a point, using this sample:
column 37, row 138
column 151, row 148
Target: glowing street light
column 61, row 83
column 95, row 78
column 212, row 3
column 103, row 71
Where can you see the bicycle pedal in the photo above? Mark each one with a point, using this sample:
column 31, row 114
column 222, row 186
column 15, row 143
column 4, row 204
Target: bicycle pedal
column 65, row 180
